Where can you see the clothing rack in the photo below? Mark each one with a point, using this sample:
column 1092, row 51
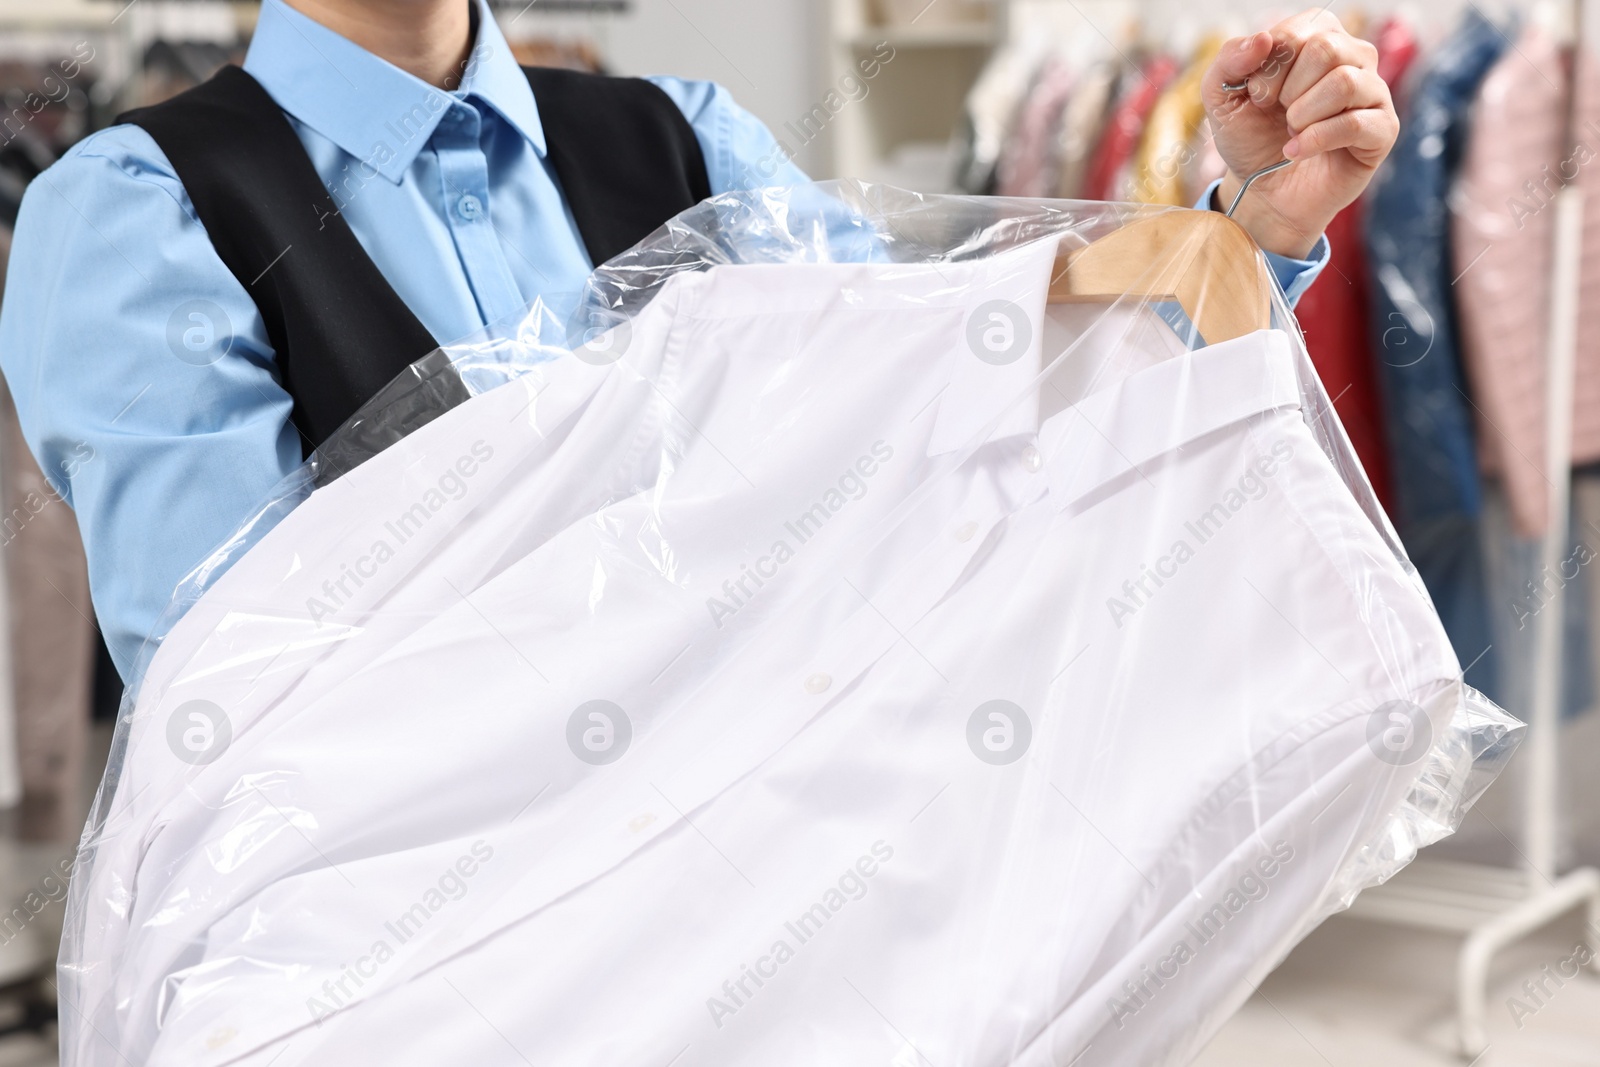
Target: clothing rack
column 1495, row 906
column 1492, row 906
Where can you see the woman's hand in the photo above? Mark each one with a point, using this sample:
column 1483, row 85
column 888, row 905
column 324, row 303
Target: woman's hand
column 1312, row 94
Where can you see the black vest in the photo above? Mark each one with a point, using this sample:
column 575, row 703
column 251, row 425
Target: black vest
column 626, row 159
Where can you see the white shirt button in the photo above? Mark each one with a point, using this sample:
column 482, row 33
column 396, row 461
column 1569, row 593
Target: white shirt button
column 469, row 207
column 818, row 683
column 1032, row 460
column 965, row 531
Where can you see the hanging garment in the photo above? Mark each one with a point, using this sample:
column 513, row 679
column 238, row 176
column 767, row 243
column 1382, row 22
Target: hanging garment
column 1165, row 146
column 1502, row 231
column 1522, row 589
column 829, row 624
column 1081, row 122
column 990, row 113
column 1427, row 414
column 1585, row 588
column 1585, row 160
column 1027, row 165
column 1500, row 241
column 1397, row 45
column 1336, row 315
column 1205, row 162
column 1125, row 125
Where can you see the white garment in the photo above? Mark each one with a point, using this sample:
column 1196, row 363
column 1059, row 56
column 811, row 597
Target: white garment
column 956, row 532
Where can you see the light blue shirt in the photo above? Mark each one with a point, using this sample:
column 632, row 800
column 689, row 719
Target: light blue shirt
column 162, row 455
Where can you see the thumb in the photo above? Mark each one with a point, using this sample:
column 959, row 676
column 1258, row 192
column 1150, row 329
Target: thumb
column 1239, row 58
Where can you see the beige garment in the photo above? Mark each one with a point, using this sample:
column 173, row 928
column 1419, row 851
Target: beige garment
column 1167, row 144
column 1081, row 121
column 52, row 637
column 1205, row 164
column 1502, row 227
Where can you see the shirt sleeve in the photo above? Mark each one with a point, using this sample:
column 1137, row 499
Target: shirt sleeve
column 142, row 376
column 741, row 153
column 1294, row 275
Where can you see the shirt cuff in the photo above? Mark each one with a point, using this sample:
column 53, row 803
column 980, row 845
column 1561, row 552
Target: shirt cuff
column 1294, row 275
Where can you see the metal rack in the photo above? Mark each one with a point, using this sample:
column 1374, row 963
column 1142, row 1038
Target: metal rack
column 1493, row 906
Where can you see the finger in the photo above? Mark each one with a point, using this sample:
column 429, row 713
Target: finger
column 1238, row 58
column 1290, row 37
column 1320, row 54
column 1368, row 134
column 1341, row 89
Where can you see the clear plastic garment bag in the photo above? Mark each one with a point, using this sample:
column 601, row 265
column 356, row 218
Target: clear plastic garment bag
column 849, row 633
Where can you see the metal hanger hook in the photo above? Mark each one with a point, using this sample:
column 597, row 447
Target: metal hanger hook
column 1263, row 172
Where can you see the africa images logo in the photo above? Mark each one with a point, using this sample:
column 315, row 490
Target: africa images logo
column 999, row 732
column 1399, row 732
column 199, row 332
column 998, row 332
column 599, row 732
column 198, row 732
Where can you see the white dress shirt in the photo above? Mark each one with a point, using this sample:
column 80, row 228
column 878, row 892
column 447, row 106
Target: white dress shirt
column 973, row 711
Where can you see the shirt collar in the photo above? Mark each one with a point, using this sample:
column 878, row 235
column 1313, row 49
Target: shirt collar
column 990, row 394
column 367, row 106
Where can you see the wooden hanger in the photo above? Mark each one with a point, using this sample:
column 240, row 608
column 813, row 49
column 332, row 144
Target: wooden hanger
column 1202, row 259
column 1208, row 264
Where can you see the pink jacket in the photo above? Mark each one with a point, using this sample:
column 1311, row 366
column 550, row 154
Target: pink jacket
column 1502, row 229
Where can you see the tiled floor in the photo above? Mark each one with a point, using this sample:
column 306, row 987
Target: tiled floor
column 27, row 1052
column 1359, row 994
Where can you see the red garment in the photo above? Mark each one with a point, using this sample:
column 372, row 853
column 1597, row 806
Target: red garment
column 1397, row 47
column 1335, row 319
column 1124, row 128
column 1335, row 314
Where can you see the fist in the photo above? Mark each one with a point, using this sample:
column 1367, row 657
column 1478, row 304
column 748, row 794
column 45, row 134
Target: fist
column 1311, row 94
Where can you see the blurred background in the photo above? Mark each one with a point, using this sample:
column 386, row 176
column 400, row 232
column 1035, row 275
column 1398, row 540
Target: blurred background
column 1457, row 327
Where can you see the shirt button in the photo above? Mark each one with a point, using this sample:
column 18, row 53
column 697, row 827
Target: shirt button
column 818, row 683
column 1032, row 460
column 469, row 207
column 965, row 531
